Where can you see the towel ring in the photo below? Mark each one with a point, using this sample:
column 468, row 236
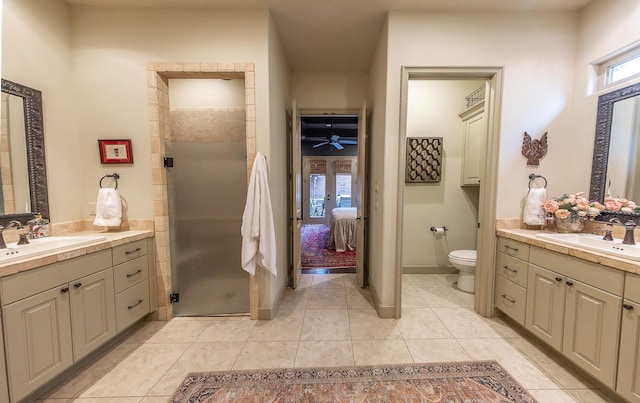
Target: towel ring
column 115, row 177
column 532, row 177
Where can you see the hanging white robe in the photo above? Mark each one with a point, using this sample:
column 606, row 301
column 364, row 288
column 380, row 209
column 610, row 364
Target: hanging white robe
column 258, row 231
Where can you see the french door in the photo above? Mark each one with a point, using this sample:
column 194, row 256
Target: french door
column 328, row 182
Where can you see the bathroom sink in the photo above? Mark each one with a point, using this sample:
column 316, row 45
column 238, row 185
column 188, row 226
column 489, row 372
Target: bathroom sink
column 41, row 246
column 595, row 243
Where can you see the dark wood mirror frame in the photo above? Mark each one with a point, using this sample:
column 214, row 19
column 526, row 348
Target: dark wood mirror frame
column 35, row 151
column 604, row 117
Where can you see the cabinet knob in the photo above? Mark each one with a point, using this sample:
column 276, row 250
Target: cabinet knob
column 64, row 290
column 569, row 283
column 627, row 307
column 77, row 285
column 558, row 279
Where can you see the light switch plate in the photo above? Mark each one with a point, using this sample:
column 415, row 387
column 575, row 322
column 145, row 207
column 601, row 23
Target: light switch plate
column 92, row 208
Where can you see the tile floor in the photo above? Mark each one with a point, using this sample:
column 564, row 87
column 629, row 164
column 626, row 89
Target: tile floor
column 327, row 321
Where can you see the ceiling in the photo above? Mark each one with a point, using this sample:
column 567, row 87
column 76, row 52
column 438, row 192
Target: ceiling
column 340, row 35
column 320, row 130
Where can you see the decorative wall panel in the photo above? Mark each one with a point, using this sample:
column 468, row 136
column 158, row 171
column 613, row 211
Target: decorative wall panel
column 424, row 159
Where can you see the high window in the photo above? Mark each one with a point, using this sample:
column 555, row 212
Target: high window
column 621, row 68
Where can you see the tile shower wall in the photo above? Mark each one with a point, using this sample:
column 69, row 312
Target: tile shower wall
column 219, row 125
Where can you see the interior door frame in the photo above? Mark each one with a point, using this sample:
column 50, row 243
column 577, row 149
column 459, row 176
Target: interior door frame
column 486, row 243
column 363, row 206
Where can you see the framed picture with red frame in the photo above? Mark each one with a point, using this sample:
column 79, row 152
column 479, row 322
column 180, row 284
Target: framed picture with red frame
column 115, row 152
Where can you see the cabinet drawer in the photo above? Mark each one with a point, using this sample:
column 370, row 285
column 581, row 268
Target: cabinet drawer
column 513, row 248
column 511, row 299
column 594, row 274
column 27, row 283
column 511, row 268
column 131, row 273
column 130, row 251
column 132, row 305
column 632, row 288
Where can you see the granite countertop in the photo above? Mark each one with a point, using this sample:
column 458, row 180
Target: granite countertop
column 529, row 237
column 112, row 239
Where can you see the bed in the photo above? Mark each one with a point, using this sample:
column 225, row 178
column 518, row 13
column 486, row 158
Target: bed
column 343, row 232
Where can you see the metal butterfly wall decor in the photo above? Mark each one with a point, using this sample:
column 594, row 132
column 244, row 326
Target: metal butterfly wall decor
column 534, row 150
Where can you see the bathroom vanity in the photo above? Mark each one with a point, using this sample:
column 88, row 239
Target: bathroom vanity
column 582, row 303
column 58, row 307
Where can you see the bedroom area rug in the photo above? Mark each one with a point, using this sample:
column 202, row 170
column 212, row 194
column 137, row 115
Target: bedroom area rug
column 316, row 252
column 478, row 381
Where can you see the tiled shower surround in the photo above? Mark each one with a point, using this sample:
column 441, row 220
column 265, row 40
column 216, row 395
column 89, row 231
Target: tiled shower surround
column 160, row 118
column 219, row 125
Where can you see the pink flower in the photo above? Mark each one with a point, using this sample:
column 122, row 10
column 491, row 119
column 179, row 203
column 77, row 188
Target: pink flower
column 583, row 205
column 562, row 213
column 597, row 205
column 550, row 206
column 612, row 205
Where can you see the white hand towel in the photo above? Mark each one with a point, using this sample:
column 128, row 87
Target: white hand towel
column 108, row 208
column 533, row 211
column 258, row 231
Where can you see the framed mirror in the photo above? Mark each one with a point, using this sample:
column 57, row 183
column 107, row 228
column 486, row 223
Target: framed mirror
column 615, row 169
column 22, row 164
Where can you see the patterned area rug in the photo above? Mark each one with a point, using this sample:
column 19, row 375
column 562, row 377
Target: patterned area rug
column 479, row 381
column 316, row 252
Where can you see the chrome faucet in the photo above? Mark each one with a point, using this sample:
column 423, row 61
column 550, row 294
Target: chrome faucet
column 629, row 227
column 15, row 223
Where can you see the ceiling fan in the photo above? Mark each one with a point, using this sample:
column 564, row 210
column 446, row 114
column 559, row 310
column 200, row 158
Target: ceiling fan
column 334, row 141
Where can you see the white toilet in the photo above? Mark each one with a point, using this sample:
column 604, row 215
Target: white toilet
column 465, row 261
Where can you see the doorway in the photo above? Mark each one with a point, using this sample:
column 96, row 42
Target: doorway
column 206, row 190
column 161, row 137
column 328, row 209
column 487, row 175
column 328, row 235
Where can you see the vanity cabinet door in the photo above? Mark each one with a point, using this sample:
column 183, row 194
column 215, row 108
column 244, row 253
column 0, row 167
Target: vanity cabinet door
column 629, row 364
column 592, row 329
column 545, row 305
column 38, row 339
column 93, row 316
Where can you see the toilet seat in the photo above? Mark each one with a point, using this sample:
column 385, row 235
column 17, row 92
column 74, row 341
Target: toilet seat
column 464, row 257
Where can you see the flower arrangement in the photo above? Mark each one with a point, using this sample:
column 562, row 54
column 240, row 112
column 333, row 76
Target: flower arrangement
column 620, row 205
column 573, row 205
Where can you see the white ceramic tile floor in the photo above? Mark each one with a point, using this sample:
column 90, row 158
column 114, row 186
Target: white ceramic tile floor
column 327, row 321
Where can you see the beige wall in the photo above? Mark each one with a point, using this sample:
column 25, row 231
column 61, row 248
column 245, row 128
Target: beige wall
column 605, row 27
column 329, row 91
column 377, row 100
column 279, row 103
column 111, row 49
column 36, row 52
column 432, row 111
column 206, row 93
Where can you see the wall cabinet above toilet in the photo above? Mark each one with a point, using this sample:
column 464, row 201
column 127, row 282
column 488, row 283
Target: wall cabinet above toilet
column 474, row 140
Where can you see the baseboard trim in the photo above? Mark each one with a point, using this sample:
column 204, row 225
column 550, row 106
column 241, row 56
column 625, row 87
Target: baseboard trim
column 270, row 313
column 384, row 312
column 428, row 270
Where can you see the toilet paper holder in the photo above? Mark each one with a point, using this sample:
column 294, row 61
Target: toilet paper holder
column 435, row 229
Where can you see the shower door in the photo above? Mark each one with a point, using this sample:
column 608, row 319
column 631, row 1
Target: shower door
column 207, row 188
